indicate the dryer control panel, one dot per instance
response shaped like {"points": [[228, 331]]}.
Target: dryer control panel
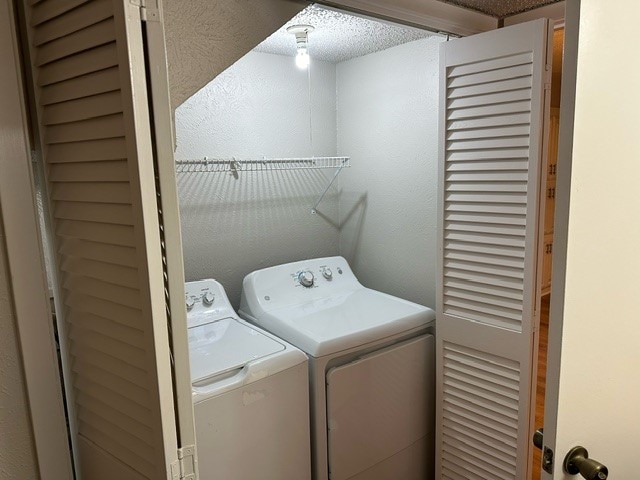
{"points": [[329, 274], [292, 283], [309, 278]]}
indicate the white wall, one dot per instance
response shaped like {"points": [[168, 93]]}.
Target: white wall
{"points": [[257, 107], [387, 108]]}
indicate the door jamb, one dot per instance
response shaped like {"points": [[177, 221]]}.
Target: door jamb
{"points": [[561, 226]]}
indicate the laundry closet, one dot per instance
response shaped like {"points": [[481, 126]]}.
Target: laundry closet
{"points": [[402, 162]]}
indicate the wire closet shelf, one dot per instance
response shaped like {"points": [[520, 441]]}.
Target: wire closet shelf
{"points": [[236, 165]]}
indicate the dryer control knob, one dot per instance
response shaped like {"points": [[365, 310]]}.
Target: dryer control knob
{"points": [[208, 299], [306, 279], [327, 273], [190, 302]]}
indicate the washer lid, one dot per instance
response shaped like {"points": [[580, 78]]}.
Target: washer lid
{"points": [[225, 345]]}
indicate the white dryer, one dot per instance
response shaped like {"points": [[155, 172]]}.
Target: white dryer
{"points": [[371, 367], [250, 394]]}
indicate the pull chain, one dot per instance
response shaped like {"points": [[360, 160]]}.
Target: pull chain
{"points": [[310, 112]]}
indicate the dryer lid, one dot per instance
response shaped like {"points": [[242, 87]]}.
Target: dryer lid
{"points": [[225, 345], [340, 322]]}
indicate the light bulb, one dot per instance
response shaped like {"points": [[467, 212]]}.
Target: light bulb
{"points": [[302, 58], [301, 33]]}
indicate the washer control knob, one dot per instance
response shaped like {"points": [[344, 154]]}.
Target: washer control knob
{"points": [[327, 273], [306, 279], [208, 298], [190, 302]]}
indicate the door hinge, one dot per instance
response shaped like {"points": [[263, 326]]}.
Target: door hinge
{"points": [[149, 11], [185, 467]]}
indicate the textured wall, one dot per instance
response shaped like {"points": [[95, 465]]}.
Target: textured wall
{"points": [[17, 453], [258, 107], [387, 109], [205, 37]]}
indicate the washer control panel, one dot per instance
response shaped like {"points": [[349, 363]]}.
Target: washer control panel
{"points": [[206, 301], [203, 296]]}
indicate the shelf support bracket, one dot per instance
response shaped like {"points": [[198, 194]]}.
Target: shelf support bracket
{"points": [[314, 210]]}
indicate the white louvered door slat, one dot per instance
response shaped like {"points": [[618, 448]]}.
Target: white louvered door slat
{"points": [[493, 109], [93, 114]]}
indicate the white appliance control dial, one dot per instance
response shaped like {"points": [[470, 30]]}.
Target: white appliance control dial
{"points": [[208, 298], [306, 279], [190, 302], [327, 273]]}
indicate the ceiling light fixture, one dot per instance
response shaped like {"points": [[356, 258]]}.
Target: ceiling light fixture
{"points": [[302, 43]]}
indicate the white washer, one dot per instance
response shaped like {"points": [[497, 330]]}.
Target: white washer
{"points": [[250, 394], [371, 367]]}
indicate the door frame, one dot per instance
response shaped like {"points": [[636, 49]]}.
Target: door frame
{"points": [[162, 128], [561, 227], [30, 293], [432, 15]]}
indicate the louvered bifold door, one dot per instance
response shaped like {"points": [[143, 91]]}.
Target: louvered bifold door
{"points": [[93, 114], [493, 104]]}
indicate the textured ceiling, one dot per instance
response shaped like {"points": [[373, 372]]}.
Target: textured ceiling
{"points": [[500, 8], [339, 36]]}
